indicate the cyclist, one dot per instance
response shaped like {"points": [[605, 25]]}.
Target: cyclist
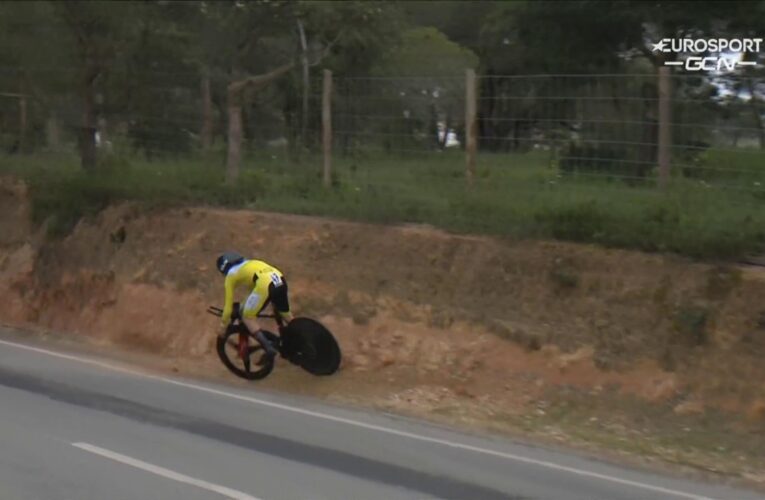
{"points": [[267, 285]]}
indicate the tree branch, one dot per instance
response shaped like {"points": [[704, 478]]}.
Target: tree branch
{"points": [[71, 19], [260, 81], [326, 50]]}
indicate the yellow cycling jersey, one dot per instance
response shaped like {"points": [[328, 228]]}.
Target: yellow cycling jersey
{"points": [[250, 273]]}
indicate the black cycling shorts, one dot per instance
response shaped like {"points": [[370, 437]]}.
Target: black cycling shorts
{"points": [[279, 297]]}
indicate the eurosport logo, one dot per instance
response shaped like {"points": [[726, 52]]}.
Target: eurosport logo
{"points": [[729, 52]]}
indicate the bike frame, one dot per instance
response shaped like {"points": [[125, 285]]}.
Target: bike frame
{"points": [[243, 345]]}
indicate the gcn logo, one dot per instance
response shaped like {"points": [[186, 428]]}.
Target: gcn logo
{"points": [[729, 52]]}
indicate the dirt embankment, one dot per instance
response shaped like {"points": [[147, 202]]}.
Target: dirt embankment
{"points": [[425, 319]]}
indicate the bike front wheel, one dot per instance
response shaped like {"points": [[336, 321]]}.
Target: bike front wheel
{"points": [[241, 353]]}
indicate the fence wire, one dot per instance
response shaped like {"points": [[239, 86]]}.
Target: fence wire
{"points": [[586, 126], [550, 128]]}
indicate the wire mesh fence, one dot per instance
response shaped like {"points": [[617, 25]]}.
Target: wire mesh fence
{"points": [[585, 126], [557, 129], [575, 157]]}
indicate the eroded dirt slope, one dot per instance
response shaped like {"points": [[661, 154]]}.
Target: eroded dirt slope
{"points": [[426, 319]]}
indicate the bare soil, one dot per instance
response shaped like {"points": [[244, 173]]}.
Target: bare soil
{"points": [[646, 355]]}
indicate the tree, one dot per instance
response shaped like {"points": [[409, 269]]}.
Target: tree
{"points": [[577, 37], [251, 44], [460, 21], [428, 81], [158, 70], [31, 76], [361, 33], [100, 33], [748, 19], [151, 92]]}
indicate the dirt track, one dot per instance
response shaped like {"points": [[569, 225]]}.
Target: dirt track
{"points": [[471, 329]]}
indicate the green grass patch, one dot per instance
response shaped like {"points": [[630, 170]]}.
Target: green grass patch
{"points": [[519, 195]]}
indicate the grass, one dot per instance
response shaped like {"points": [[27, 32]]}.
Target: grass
{"points": [[518, 195]]}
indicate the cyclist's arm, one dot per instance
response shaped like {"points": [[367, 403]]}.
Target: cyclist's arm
{"points": [[228, 305]]}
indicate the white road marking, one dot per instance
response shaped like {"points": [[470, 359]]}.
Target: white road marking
{"points": [[167, 473], [364, 425]]}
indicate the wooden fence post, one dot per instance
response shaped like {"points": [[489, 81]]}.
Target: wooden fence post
{"points": [[664, 152], [471, 125], [326, 126]]}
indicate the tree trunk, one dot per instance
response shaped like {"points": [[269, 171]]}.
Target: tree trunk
{"points": [[235, 100], [88, 131], [647, 152], [221, 121], [326, 126], [471, 125], [207, 118], [306, 86], [23, 123], [754, 102], [102, 130], [52, 132], [447, 124], [664, 145], [434, 130], [234, 135]]}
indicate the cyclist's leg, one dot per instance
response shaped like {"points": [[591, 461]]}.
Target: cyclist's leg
{"points": [[255, 303], [279, 298], [252, 307]]}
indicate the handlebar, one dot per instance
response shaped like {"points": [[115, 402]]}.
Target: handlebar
{"points": [[215, 311]]}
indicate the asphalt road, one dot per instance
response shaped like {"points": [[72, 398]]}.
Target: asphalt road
{"points": [[77, 427]]}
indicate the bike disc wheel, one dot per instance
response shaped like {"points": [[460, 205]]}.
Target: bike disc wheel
{"points": [[310, 345]]}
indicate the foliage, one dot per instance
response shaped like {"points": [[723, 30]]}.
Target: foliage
{"points": [[133, 72], [139, 65], [425, 51], [422, 79], [518, 198]]}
